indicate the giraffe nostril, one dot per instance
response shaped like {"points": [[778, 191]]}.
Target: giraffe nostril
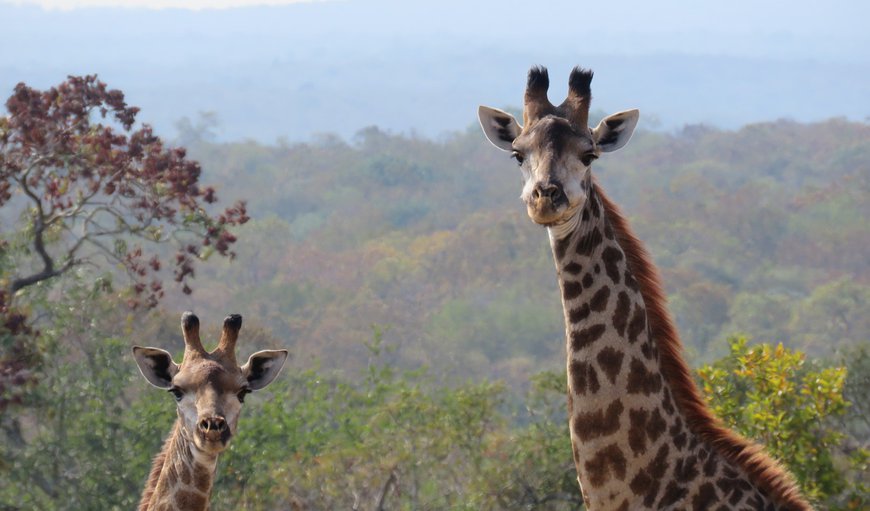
{"points": [[217, 424]]}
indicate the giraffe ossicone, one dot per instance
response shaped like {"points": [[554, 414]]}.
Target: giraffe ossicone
{"points": [[209, 388], [641, 434]]}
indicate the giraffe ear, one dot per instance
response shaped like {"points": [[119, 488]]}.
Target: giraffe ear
{"points": [[499, 127], [156, 366], [614, 131], [262, 367]]}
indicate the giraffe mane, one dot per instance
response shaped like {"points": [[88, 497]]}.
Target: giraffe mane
{"points": [[751, 457], [156, 469]]}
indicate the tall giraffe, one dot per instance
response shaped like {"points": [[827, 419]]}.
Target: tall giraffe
{"points": [[209, 389], [641, 434]]}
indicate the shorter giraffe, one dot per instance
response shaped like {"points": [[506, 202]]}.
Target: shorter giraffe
{"points": [[209, 389]]}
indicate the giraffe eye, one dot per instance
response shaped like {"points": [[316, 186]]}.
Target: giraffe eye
{"points": [[175, 391], [588, 158], [242, 393], [518, 156]]}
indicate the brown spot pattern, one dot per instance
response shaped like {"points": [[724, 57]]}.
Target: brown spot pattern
{"points": [[599, 300], [589, 242], [705, 497], [656, 425], [588, 426], [641, 380], [573, 268], [587, 280], [561, 246], [571, 290], [186, 499], [644, 425], [711, 465], [680, 440], [686, 469], [620, 315], [583, 377], [646, 482], [673, 494], [630, 281], [586, 336], [647, 350], [606, 463], [595, 207], [668, 403], [637, 430], [637, 324], [611, 257], [578, 314], [610, 361], [733, 487]]}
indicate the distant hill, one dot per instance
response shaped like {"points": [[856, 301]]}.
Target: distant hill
{"points": [[760, 230], [337, 67]]}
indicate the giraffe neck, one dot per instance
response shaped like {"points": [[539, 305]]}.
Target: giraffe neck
{"points": [[181, 478], [632, 446]]}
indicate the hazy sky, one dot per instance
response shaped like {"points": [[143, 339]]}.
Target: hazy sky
{"points": [[290, 68], [151, 4]]}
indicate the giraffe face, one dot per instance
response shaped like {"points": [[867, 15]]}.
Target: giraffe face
{"points": [[209, 397], [554, 158], [209, 388], [555, 148]]}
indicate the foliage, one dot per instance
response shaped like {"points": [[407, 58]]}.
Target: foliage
{"points": [[750, 229], [389, 437], [88, 188], [18, 354], [74, 439], [383, 439], [759, 230], [772, 395]]}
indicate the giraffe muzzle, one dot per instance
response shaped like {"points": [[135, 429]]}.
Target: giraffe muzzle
{"points": [[551, 192], [546, 202], [213, 428]]}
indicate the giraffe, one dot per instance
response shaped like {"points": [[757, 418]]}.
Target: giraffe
{"points": [[209, 389], [641, 435]]}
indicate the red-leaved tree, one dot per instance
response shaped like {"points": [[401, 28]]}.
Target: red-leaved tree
{"points": [[85, 185]]}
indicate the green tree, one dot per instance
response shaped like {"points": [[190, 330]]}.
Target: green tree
{"points": [[836, 313], [773, 395], [83, 437]]}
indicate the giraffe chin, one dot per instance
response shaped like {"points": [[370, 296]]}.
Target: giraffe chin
{"points": [[212, 444], [547, 215]]}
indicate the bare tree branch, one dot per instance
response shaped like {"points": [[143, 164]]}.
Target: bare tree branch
{"points": [[89, 183]]}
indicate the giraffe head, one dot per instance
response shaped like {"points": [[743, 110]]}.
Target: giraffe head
{"points": [[555, 146], [209, 386]]}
